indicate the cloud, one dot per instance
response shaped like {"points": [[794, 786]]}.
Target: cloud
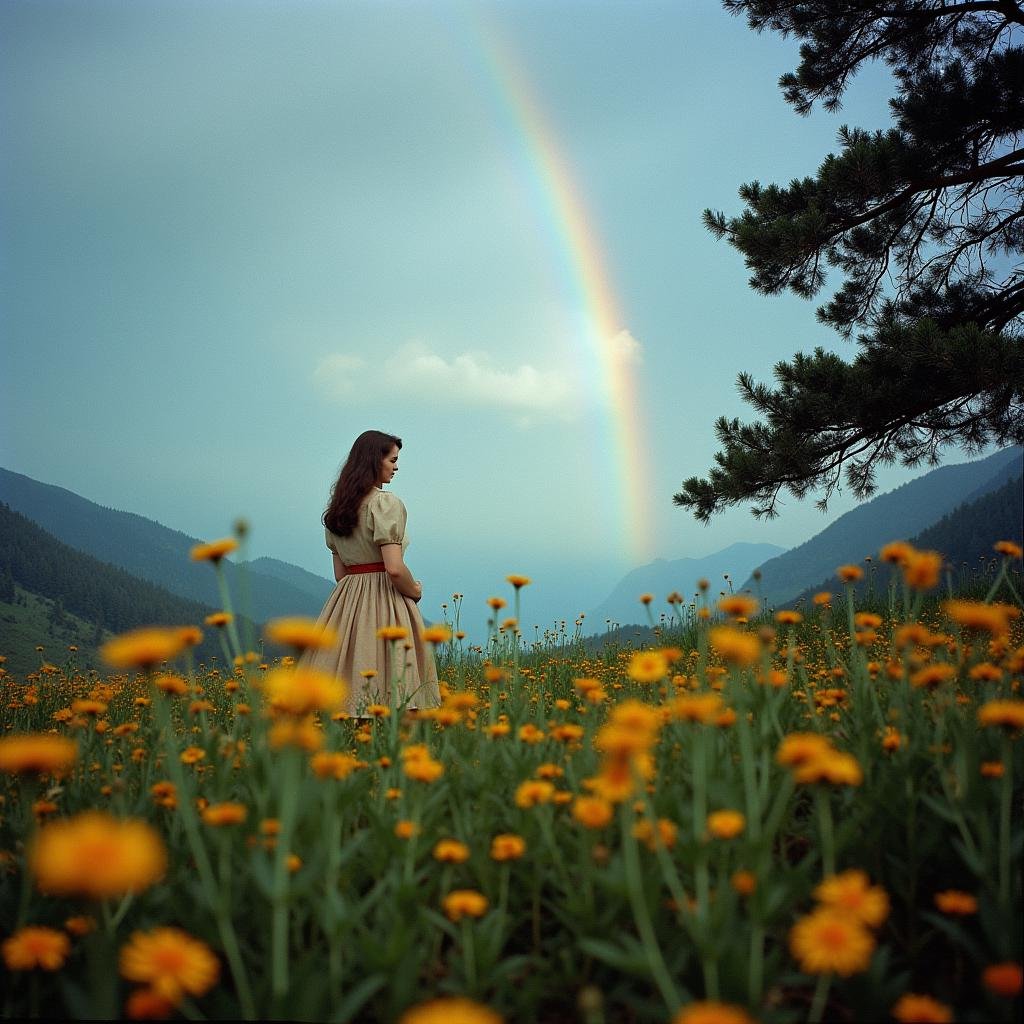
{"points": [[470, 379]]}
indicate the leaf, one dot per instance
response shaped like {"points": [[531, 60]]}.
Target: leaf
{"points": [[632, 961], [957, 934], [357, 998]]}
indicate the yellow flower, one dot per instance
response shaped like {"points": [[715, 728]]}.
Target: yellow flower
{"points": [[97, 856], [292, 731], [529, 733], [171, 684], [666, 833], [392, 633], [192, 755], [334, 765], [533, 792], [143, 648], [436, 634], [744, 882], [451, 851], [450, 1010], [1007, 713], [735, 646], [299, 691], [219, 619], [214, 551], [800, 747], [464, 903], [921, 569], [954, 901], [33, 946], [518, 581], [36, 753], [165, 794], [507, 846], [914, 1009], [834, 766], [710, 1011], [225, 814], [171, 962], [788, 618], [933, 675], [697, 707], [822, 599], [406, 829], [851, 893], [301, 633], [1004, 979], [981, 617], [647, 667], [726, 824], [827, 942], [738, 605], [423, 769], [592, 811]]}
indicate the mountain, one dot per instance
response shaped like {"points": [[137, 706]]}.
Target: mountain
{"points": [[663, 576], [896, 515], [76, 586], [965, 537], [154, 552]]}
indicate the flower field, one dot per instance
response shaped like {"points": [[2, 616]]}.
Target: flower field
{"points": [[773, 817]]}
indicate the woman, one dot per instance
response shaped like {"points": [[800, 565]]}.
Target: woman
{"points": [[365, 532]]}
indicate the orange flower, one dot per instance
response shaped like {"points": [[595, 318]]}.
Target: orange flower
{"points": [[738, 605], [850, 573], [300, 691], [898, 552], [788, 618], [406, 829], [143, 648], [744, 882], [915, 1009], [980, 616], [450, 1010], [507, 846], [392, 633], [592, 811], [301, 633], [451, 851], [36, 753], [666, 833], [710, 1011], [851, 893], [799, 747], [726, 824], [533, 792], [225, 814], [1007, 713], [334, 765], [953, 901], [219, 619], [735, 646], [921, 569], [827, 942], [171, 684], [518, 581], [834, 766], [97, 856], [145, 1004], [33, 946], [698, 707], [171, 962], [933, 675], [1008, 548], [436, 634], [1004, 979], [464, 903], [822, 599], [214, 551], [647, 667]]}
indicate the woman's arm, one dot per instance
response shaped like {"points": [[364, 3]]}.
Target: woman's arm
{"points": [[339, 567], [398, 571]]}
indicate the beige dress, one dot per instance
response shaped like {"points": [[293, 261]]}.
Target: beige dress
{"points": [[363, 602]]}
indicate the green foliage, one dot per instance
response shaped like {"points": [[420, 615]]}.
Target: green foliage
{"points": [[922, 222]]}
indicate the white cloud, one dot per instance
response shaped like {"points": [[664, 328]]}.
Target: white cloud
{"points": [[472, 379]]}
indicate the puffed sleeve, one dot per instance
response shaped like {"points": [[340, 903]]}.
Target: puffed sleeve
{"points": [[327, 537], [387, 518]]}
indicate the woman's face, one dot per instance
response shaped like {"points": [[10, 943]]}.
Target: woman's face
{"points": [[388, 466]]}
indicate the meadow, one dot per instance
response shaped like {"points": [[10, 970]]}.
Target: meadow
{"points": [[772, 816]]}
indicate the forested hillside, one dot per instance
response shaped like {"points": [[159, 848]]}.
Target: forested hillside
{"points": [[103, 595], [965, 537]]}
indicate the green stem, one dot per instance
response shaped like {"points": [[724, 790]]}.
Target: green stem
{"points": [[469, 955], [828, 850], [820, 996], [1005, 810], [279, 919], [641, 914]]}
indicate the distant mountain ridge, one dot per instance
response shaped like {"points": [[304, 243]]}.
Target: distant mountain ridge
{"points": [[896, 515], [159, 554], [664, 576], [965, 535]]}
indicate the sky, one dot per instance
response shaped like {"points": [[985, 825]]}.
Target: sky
{"points": [[237, 233]]}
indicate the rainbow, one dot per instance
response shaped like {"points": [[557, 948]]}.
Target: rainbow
{"points": [[604, 345]]}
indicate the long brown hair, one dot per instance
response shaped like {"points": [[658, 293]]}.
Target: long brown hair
{"points": [[357, 478]]}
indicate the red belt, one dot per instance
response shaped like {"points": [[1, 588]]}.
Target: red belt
{"points": [[366, 567]]}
